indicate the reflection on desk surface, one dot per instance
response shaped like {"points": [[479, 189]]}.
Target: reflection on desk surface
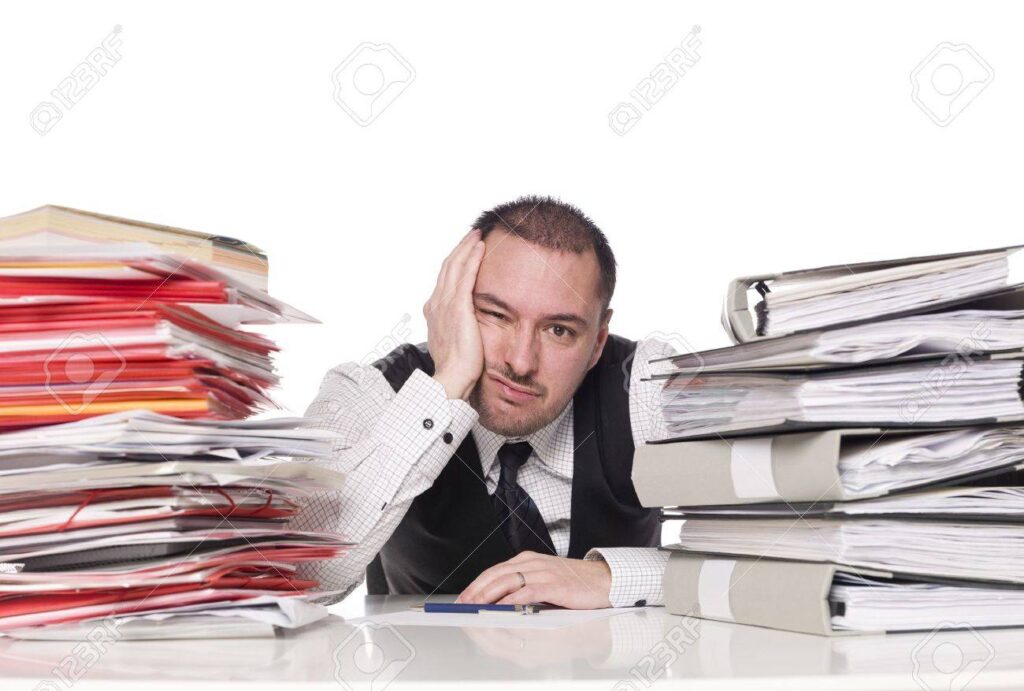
{"points": [[633, 647]]}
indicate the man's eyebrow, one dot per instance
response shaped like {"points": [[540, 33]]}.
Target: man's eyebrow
{"points": [[566, 317], [560, 317], [497, 302]]}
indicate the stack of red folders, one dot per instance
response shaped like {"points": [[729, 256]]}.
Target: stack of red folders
{"points": [[135, 493]]}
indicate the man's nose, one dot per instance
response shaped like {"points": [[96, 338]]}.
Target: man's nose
{"points": [[521, 352]]}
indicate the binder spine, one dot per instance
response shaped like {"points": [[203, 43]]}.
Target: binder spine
{"points": [[798, 467], [736, 317], [792, 596]]}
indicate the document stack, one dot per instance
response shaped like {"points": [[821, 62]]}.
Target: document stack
{"points": [[853, 463], [134, 494]]}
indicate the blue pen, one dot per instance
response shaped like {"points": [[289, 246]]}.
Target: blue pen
{"points": [[469, 608]]}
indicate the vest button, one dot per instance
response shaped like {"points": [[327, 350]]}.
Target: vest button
{"points": [[428, 423], [447, 437]]}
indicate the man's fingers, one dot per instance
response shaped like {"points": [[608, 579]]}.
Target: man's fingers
{"points": [[475, 589], [509, 584], [471, 268], [530, 594], [442, 276], [499, 588], [456, 270], [525, 562]]}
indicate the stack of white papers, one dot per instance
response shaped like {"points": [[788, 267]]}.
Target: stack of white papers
{"points": [[916, 394], [904, 338], [818, 299], [147, 517], [877, 604], [873, 466], [965, 503], [969, 551]]}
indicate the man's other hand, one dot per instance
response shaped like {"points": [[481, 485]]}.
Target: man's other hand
{"points": [[453, 334], [573, 583]]}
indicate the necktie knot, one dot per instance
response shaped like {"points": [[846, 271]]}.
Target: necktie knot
{"points": [[512, 457]]}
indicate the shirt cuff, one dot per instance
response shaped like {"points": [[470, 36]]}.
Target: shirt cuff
{"points": [[637, 574], [423, 427]]}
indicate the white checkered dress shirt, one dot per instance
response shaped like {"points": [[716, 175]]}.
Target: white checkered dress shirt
{"points": [[394, 445]]}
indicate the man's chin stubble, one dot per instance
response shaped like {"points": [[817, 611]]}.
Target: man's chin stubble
{"points": [[507, 428]]}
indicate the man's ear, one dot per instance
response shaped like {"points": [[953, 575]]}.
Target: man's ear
{"points": [[602, 338]]}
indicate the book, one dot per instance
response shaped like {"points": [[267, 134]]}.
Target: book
{"points": [[961, 390], [837, 464], [769, 305], [970, 503], [62, 229], [901, 339], [928, 546], [829, 600]]}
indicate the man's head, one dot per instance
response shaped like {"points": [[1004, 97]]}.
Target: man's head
{"points": [[541, 299]]}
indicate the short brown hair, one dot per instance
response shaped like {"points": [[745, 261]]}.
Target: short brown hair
{"points": [[556, 225]]}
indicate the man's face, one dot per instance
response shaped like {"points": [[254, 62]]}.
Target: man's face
{"points": [[543, 327]]}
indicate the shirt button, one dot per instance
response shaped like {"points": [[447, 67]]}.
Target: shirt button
{"points": [[447, 437], [428, 423], [640, 603]]}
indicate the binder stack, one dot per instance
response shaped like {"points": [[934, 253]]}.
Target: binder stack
{"points": [[854, 462], [135, 498]]}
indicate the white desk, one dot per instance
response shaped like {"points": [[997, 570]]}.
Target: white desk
{"points": [[606, 654]]}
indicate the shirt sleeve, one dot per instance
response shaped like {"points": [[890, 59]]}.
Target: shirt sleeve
{"points": [[637, 574], [392, 447], [645, 416]]}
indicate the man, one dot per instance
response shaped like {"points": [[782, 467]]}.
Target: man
{"points": [[495, 462]]}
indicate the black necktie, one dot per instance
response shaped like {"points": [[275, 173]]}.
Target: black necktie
{"points": [[519, 516]]}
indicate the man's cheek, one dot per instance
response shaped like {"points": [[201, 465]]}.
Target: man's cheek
{"points": [[490, 339]]}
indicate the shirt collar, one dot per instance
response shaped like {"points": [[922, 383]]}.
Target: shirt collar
{"points": [[544, 443]]}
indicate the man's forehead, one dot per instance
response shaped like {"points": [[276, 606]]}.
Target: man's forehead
{"points": [[536, 281]]}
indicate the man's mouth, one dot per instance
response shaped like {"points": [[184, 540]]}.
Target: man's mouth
{"points": [[513, 392]]}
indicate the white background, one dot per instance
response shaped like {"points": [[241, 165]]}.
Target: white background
{"points": [[792, 142]]}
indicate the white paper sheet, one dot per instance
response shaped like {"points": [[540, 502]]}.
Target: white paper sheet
{"points": [[545, 619]]}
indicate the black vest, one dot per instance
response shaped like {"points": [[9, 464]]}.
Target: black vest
{"points": [[450, 533]]}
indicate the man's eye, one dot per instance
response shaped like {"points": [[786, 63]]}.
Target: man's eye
{"points": [[496, 315], [560, 331]]}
